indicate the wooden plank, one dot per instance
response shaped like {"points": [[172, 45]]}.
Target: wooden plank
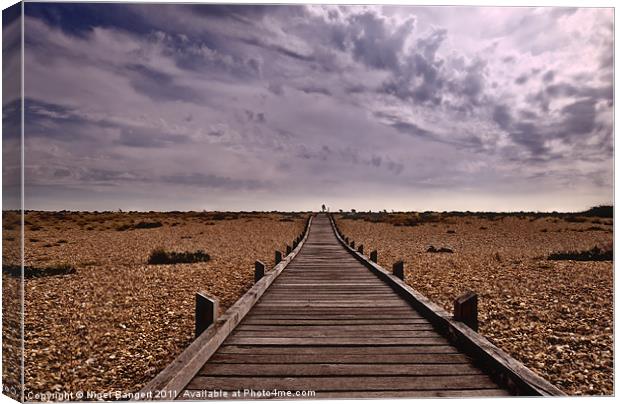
{"points": [[328, 316], [330, 333], [274, 357], [323, 321], [379, 394], [235, 340], [290, 304], [412, 394], [331, 369], [344, 383], [335, 327], [337, 350]]}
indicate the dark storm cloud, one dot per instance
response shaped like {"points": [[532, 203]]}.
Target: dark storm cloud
{"points": [[423, 67], [373, 42]]}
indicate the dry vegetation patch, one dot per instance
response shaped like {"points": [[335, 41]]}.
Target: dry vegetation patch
{"points": [[116, 321], [555, 316]]}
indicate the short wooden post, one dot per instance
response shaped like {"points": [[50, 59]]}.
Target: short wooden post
{"points": [[288, 249], [360, 249], [259, 271], [278, 257], [206, 312], [352, 244], [346, 240], [398, 269], [466, 309], [373, 256]]}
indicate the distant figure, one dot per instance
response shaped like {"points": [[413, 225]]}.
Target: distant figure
{"points": [[323, 208]]}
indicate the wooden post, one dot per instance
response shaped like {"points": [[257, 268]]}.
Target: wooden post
{"points": [[288, 249], [206, 312], [360, 249], [373, 256], [352, 244], [259, 271], [466, 309], [346, 240], [398, 269], [278, 257]]}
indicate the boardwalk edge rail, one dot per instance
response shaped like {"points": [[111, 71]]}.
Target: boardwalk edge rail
{"points": [[501, 366], [169, 383]]}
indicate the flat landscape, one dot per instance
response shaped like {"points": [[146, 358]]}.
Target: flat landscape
{"points": [[556, 316], [98, 316]]}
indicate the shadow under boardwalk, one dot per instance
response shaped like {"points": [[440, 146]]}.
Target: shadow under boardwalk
{"points": [[329, 325]]}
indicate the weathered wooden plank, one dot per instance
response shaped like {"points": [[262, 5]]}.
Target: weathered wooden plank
{"points": [[336, 327], [379, 351], [327, 316], [300, 305], [235, 340], [331, 369], [411, 394], [377, 394], [344, 383], [326, 332], [322, 321], [276, 357]]}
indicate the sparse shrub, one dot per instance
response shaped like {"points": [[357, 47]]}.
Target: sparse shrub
{"points": [[432, 249], [544, 230], [35, 227], [61, 241], [575, 219], [147, 225], [483, 228], [594, 254], [159, 256], [34, 272], [451, 232], [139, 225], [34, 240]]}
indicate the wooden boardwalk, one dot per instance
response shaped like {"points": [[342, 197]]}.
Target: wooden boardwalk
{"points": [[330, 325]]}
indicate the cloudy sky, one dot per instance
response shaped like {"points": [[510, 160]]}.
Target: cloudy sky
{"points": [[176, 107]]}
